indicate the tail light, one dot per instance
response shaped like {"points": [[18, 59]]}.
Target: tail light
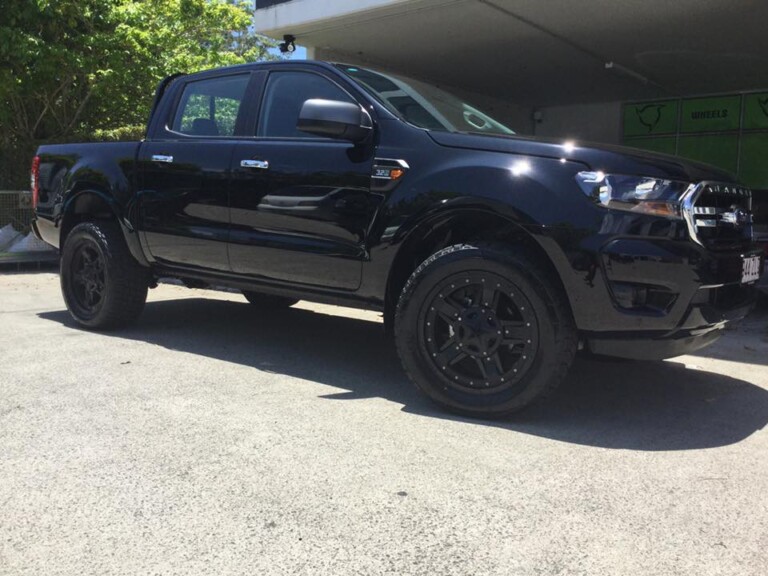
{"points": [[34, 181]]}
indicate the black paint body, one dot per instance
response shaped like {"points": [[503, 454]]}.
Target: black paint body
{"points": [[316, 225]]}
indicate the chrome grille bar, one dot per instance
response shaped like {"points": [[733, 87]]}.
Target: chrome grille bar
{"points": [[723, 209]]}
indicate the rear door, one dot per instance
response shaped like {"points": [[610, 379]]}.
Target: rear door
{"points": [[300, 204], [184, 194]]}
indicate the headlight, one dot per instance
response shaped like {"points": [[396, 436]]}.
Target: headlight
{"points": [[635, 193]]}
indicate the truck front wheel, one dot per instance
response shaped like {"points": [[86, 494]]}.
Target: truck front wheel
{"points": [[103, 285], [484, 331]]}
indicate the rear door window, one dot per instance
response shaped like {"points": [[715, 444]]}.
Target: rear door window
{"points": [[211, 107]]}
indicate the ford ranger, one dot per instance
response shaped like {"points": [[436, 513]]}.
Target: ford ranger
{"points": [[492, 256]]}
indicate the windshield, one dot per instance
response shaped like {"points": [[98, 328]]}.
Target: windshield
{"points": [[422, 104]]}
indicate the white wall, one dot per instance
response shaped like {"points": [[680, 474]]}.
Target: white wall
{"points": [[274, 20], [585, 122]]}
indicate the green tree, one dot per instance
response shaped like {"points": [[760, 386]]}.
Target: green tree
{"points": [[71, 68]]}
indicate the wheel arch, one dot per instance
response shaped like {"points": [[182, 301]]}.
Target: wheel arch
{"points": [[86, 202], [457, 225]]}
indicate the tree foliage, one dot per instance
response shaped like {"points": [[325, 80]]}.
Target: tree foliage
{"points": [[71, 67]]}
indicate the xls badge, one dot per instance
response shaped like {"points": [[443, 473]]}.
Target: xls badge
{"points": [[389, 169]]}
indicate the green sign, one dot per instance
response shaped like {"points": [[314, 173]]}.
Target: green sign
{"points": [[756, 111], [648, 118], [710, 114], [753, 161], [730, 132], [665, 144], [720, 150]]}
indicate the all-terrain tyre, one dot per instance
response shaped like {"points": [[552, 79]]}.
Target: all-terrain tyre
{"points": [[484, 330], [104, 287], [268, 301]]}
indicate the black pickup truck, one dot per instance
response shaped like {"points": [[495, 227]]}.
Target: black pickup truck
{"points": [[493, 257]]}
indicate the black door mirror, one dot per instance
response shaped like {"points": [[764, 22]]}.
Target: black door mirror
{"points": [[333, 119]]}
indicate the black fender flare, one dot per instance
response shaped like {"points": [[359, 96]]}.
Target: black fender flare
{"points": [[82, 193]]}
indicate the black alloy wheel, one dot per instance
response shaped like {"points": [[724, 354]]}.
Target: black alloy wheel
{"points": [[87, 279], [103, 286], [480, 331], [484, 330]]}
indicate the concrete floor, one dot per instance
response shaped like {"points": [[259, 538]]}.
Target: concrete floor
{"points": [[211, 439]]}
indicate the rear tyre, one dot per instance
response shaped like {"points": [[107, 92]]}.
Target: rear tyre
{"points": [[268, 301], [102, 284], [483, 331]]}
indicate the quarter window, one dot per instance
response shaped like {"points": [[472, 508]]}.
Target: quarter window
{"points": [[211, 107], [284, 96]]}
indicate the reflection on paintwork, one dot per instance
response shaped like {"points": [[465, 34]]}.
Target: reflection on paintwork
{"points": [[305, 219], [185, 204]]}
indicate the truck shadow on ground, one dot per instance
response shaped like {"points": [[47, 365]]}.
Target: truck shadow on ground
{"points": [[620, 405], [748, 343]]}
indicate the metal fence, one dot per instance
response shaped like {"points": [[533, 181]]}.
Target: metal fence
{"points": [[16, 209]]}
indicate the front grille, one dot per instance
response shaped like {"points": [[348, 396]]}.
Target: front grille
{"points": [[719, 215]]}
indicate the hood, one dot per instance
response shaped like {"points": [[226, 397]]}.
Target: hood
{"points": [[607, 158]]}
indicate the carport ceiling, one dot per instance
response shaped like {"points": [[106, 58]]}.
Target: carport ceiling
{"points": [[549, 52]]}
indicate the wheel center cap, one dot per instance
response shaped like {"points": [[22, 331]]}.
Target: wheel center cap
{"points": [[478, 331]]}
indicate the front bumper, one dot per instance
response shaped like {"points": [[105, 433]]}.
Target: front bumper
{"points": [[702, 326], [672, 297], [640, 348]]}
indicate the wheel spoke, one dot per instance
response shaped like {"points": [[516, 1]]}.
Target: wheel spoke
{"points": [[495, 369], [514, 331], [450, 343], [488, 296], [481, 364], [450, 356], [447, 309], [491, 367]]}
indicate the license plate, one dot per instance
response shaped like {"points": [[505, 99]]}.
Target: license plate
{"points": [[750, 271]]}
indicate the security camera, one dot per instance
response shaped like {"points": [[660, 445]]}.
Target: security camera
{"points": [[287, 45]]}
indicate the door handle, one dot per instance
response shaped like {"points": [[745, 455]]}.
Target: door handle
{"points": [[261, 164], [161, 158]]}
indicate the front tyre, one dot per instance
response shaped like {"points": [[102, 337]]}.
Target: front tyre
{"points": [[102, 284], [484, 331]]}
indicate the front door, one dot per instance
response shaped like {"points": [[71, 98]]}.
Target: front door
{"points": [[184, 196], [300, 204]]}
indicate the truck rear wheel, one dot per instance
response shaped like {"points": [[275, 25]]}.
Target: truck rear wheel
{"points": [[103, 285], [483, 331]]}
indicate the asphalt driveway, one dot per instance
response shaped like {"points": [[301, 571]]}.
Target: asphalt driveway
{"points": [[214, 439]]}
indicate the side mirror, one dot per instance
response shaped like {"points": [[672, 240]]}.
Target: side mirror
{"points": [[332, 119]]}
